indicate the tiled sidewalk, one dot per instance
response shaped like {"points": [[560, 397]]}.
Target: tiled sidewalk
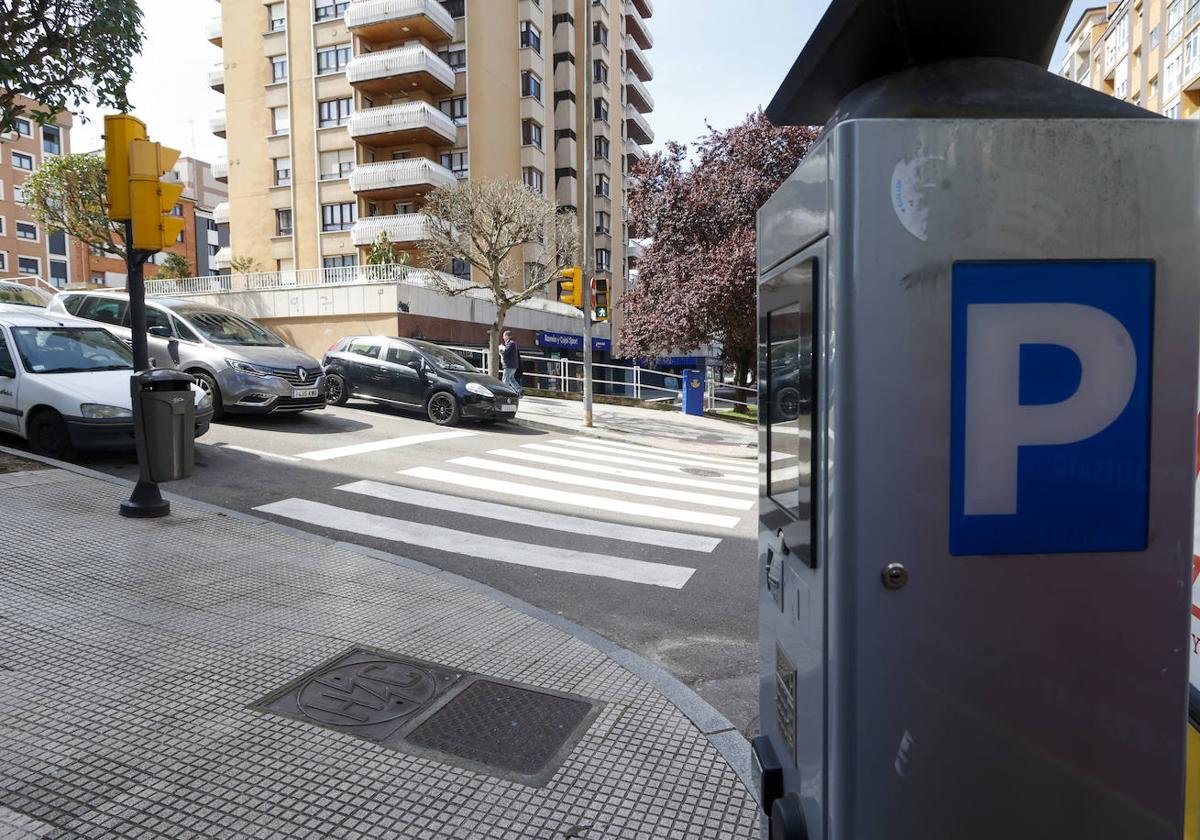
{"points": [[135, 653]]}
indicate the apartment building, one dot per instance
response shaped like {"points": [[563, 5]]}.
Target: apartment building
{"points": [[25, 247], [340, 115], [204, 194], [1143, 51]]}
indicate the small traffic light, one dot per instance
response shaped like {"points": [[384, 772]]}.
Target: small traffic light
{"points": [[570, 288], [120, 130], [152, 200], [600, 302]]}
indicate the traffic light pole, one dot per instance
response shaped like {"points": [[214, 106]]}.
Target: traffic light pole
{"points": [[146, 501], [589, 221]]}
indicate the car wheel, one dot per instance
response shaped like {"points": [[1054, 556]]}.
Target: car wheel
{"points": [[443, 409], [336, 390], [48, 436], [787, 404], [209, 386]]}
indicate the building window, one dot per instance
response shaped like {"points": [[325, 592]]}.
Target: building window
{"points": [[279, 69], [600, 72], [534, 179], [1172, 111], [283, 222], [283, 172], [460, 269], [602, 185], [18, 195], [336, 164], [51, 140], [534, 271], [22, 161], [98, 278], [280, 120], [24, 127], [2, 225], [343, 261], [1191, 54], [334, 112], [330, 9], [531, 84], [337, 216], [27, 231], [531, 37], [29, 265], [333, 59], [276, 17], [455, 55], [603, 259], [600, 34], [58, 243], [602, 148], [1173, 74], [456, 162], [600, 109], [603, 222], [58, 273], [1155, 37], [455, 109], [531, 134]]}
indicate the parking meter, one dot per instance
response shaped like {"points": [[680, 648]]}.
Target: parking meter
{"points": [[975, 528]]}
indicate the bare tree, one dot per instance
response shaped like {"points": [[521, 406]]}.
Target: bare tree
{"points": [[488, 224]]}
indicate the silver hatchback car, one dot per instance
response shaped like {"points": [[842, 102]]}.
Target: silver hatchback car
{"points": [[246, 368]]}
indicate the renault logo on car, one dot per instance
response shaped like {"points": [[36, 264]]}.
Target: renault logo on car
{"points": [[302, 373]]}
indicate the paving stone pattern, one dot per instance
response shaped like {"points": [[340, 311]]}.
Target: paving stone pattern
{"points": [[133, 651]]}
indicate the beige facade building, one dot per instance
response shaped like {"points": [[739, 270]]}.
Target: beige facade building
{"points": [[1142, 51], [340, 115]]}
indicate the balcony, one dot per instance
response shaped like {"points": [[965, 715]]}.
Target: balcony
{"points": [[212, 31], [383, 21], [636, 127], [221, 213], [645, 8], [399, 179], [636, 60], [220, 170], [409, 227], [217, 124], [222, 259], [634, 152], [636, 27], [216, 78], [400, 70], [637, 95], [407, 122]]}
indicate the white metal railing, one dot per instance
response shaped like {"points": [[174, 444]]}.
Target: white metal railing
{"points": [[217, 123], [220, 169], [720, 396], [261, 281], [634, 150], [222, 259], [634, 120], [634, 52], [368, 12], [397, 174], [216, 77], [32, 280], [645, 8], [637, 25], [407, 227], [414, 58], [212, 30], [639, 91], [221, 213], [405, 116]]}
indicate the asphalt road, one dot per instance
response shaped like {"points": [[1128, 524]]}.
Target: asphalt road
{"points": [[652, 549]]}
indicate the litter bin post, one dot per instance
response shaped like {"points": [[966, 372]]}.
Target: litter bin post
{"points": [[693, 392], [164, 417]]}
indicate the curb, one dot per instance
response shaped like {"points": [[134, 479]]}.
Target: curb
{"points": [[743, 453], [714, 726]]}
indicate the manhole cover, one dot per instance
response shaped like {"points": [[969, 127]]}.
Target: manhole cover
{"points": [[519, 733], [364, 692], [703, 473]]}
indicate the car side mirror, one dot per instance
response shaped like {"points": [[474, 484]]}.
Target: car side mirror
{"points": [[160, 332]]}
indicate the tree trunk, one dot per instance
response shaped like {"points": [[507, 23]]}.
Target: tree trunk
{"points": [[742, 362]]}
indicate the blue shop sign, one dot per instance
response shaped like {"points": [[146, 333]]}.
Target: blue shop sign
{"points": [[566, 341]]}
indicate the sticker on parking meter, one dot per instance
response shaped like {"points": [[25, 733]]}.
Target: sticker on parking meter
{"points": [[1050, 418]]}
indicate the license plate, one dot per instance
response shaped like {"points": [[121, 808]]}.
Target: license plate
{"points": [[509, 407], [304, 393]]}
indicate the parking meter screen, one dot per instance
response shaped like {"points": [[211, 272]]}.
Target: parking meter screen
{"points": [[789, 404]]}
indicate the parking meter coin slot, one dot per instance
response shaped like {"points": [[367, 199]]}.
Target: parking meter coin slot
{"points": [[775, 576], [164, 414], [785, 701]]}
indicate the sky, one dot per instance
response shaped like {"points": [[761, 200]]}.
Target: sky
{"points": [[710, 66]]}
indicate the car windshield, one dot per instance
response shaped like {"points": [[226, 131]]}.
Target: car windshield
{"points": [[70, 350], [446, 360], [227, 328], [22, 296]]}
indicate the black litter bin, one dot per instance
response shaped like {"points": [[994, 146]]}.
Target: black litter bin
{"points": [[164, 412]]}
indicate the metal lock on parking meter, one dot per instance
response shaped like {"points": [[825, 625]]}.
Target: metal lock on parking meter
{"points": [[164, 409], [978, 323]]}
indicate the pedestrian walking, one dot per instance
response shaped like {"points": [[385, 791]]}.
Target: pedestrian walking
{"points": [[510, 360]]}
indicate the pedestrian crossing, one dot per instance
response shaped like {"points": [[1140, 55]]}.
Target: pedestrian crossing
{"points": [[545, 505]]}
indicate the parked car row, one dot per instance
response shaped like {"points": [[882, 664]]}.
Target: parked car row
{"points": [[65, 363]]}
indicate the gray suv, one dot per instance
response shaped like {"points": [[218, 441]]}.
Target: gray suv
{"points": [[246, 368]]}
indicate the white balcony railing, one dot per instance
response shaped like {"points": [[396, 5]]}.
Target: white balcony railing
{"points": [[637, 27], [636, 93], [400, 174], [645, 8], [217, 124], [634, 150], [222, 259], [636, 60], [263, 281], [220, 169], [212, 30], [406, 116], [414, 58], [221, 213], [216, 77], [636, 127], [363, 13], [408, 227]]}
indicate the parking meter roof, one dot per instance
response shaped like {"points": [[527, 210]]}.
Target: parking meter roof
{"points": [[858, 41]]}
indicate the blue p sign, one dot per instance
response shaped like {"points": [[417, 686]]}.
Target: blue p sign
{"points": [[1051, 407]]}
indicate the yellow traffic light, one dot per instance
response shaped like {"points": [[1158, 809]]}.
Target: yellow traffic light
{"points": [[600, 299], [570, 288], [152, 200], [120, 130]]}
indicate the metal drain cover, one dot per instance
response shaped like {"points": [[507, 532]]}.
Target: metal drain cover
{"points": [[364, 692], [703, 473], [521, 733]]}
